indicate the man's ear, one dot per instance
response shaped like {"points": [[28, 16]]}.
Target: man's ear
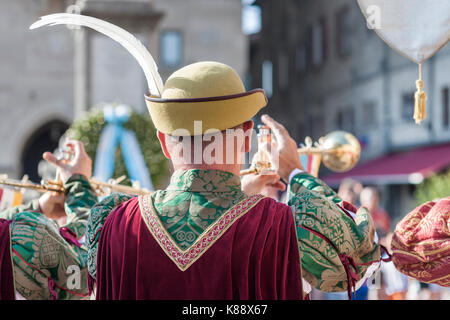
{"points": [[162, 141], [248, 130]]}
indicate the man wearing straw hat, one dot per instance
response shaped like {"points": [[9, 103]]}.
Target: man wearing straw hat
{"points": [[203, 237]]}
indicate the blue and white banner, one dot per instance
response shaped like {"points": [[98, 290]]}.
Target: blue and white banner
{"points": [[113, 134]]}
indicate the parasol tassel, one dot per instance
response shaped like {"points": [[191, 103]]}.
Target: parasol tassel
{"points": [[420, 104]]}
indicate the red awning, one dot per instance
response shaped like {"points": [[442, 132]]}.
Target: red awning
{"points": [[409, 167]]}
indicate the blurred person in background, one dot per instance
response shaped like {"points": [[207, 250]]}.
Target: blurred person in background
{"points": [[44, 239], [350, 190], [394, 284], [370, 199], [50, 204]]}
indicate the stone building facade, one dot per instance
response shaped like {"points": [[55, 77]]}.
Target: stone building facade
{"points": [[52, 75]]}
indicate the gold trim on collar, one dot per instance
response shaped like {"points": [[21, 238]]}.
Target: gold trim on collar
{"points": [[185, 258]]}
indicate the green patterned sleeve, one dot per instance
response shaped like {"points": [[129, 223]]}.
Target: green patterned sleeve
{"points": [[42, 254], [315, 185], [97, 217], [10, 213], [80, 198], [318, 216]]}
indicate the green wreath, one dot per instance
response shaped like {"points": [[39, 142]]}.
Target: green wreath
{"points": [[88, 129]]}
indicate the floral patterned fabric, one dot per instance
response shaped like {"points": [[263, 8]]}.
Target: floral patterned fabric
{"points": [[195, 199], [329, 237], [421, 243], [41, 255], [97, 217]]}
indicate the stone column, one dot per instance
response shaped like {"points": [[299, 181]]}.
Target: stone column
{"points": [[133, 15], [80, 73]]}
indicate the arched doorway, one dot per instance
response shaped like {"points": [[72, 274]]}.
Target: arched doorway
{"points": [[46, 138]]}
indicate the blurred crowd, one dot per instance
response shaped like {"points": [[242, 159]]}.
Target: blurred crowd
{"points": [[388, 283]]}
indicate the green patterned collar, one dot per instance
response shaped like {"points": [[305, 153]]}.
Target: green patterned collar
{"points": [[196, 180]]}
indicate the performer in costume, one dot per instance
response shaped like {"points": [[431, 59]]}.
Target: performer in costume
{"points": [[203, 237], [41, 240], [421, 243]]}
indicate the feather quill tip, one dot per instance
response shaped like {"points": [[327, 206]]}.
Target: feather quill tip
{"points": [[36, 25]]}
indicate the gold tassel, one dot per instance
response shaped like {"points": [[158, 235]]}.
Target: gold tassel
{"points": [[420, 104]]}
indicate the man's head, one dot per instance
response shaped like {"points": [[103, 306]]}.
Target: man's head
{"points": [[349, 190], [52, 206], [370, 198], [224, 150], [203, 116]]}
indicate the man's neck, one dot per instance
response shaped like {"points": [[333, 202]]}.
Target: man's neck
{"points": [[232, 168]]}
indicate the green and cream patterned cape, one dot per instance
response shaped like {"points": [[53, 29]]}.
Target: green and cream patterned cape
{"points": [[43, 260], [196, 198]]}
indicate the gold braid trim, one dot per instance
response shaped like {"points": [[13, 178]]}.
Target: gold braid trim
{"points": [[185, 258]]}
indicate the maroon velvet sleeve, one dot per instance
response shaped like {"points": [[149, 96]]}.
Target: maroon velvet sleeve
{"points": [[6, 270], [256, 258]]}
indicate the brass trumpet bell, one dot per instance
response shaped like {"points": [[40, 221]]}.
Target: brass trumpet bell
{"points": [[341, 151]]}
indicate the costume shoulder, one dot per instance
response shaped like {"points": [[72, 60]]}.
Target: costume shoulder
{"points": [[270, 230], [334, 243], [270, 215], [8, 214], [97, 217], [41, 255], [421, 243]]}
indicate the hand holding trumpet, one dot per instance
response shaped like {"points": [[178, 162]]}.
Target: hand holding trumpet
{"points": [[339, 151], [282, 153], [80, 163]]}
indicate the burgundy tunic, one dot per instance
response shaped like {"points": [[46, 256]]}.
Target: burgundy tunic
{"points": [[6, 270], [257, 257]]}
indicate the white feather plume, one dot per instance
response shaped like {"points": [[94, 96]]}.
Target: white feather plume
{"points": [[126, 39]]}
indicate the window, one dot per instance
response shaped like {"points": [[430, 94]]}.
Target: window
{"points": [[408, 106], [318, 126], [318, 43], [445, 108], [251, 18], [283, 71], [344, 31], [302, 129], [171, 49], [345, 119], [301, 59], [267, 77], [369, 115], [340, 119]]}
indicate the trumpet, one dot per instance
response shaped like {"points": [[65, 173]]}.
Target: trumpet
{"points": [[25, 184], [100, 188], [339, 152]]}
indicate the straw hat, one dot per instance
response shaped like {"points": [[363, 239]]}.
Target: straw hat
{"points": [[210, 92]]}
